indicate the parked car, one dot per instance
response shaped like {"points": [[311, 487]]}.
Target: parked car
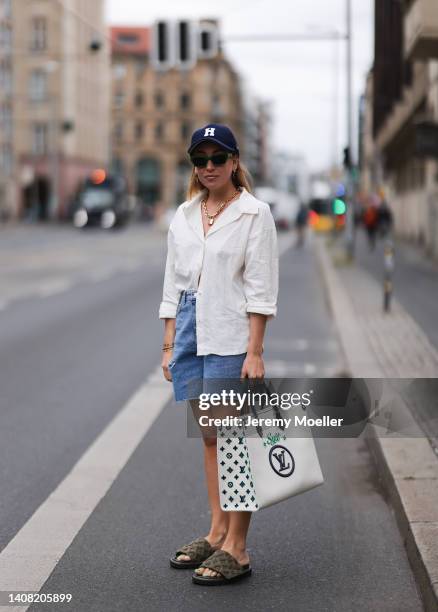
{"points": [[102, 200]]}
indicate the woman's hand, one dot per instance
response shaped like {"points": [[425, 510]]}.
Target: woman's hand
{"points": [[253, 366], [166, 359]]}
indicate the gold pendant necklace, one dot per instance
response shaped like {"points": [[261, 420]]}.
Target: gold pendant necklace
{"points": [[211, 218]]}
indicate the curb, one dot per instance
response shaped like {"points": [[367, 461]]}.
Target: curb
{"points": [[408, 467]]}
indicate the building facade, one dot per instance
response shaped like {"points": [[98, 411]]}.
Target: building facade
{"points": [[154, 113], [6, 112], [57, 101], [401, 111]]}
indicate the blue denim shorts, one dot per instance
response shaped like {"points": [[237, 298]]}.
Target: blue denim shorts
{"points": [[189, 370]]}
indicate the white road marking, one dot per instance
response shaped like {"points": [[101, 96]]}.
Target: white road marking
{"points": [[293, 344], [52, 287], [301, 344], [278, 367], [100, 275], [30, 557]]}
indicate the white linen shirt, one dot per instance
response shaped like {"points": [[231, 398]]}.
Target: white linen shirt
{"points": [[237, 262]]}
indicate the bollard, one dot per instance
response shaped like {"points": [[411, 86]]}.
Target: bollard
{"points": [[388, 263]]}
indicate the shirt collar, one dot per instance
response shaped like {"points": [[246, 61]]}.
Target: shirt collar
{"points": [[246, 203]]}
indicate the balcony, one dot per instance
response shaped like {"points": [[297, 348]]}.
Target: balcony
{"points": [[421, 29]]}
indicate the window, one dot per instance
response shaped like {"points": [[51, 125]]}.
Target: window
{"points": [[5, 78], [6, 120], [140, 65], [40, 138], [126, 38], [185, 130], [139, 130], [139, 99], [38, 38], [118, 132], [119, 97], [119, 71], [8, 7], [117, 166], [159, 99], [185, 100], [159, 131], [38, 85], [6, 159], [5, 37]]}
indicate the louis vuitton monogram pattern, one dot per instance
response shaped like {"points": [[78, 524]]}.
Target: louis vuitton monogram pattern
{"points": [[236, 487]]}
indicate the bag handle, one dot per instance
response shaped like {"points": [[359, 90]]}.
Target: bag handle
{"points": [[276, 409]]}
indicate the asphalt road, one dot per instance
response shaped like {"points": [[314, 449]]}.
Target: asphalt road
{"points": [[69, 363]]}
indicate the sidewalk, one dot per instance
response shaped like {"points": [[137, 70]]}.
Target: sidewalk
{"points": [[391, 346], [415, 279]]}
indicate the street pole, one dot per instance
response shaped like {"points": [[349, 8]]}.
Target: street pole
{"points": [[349, 77], [349, 230], [335, 126]]}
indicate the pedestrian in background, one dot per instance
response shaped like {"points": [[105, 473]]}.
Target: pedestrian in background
{"points": [[385, 217], [301, 224], [220, 288], [371, 221]]}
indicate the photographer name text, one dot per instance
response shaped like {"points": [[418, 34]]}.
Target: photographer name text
{"points": [[299, 421]]}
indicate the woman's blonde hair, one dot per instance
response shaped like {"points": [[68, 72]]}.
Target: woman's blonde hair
{"points": [[241, 178]]}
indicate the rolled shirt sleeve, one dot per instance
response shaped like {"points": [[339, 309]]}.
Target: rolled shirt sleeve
{"points": [[260, 276], [168, 306]]}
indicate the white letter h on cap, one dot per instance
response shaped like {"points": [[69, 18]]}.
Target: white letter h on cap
{"points": [[209, 131]]}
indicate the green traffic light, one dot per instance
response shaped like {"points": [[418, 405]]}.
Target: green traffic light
{"points": [[339, 207]]}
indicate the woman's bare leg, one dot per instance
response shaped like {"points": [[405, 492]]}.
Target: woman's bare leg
{"points": [[235, 541], [236, 524], [219, 518]]}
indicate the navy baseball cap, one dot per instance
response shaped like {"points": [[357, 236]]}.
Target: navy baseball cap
{"points": [[214, 132]]}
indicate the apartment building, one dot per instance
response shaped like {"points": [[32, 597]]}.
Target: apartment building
{"points": [[154, 113], [6, 123], [56, 102], [401, 128]]}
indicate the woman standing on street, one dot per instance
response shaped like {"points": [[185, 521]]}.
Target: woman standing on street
{"points": [[220, 287]]}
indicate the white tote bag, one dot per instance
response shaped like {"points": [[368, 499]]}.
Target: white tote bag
{"points": [[257, 469]]}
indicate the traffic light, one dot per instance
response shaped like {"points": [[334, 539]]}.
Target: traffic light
{"points": [[185, 45], [163, 49], [347, 158], [208, 39], [181, 43], [339, 206]]}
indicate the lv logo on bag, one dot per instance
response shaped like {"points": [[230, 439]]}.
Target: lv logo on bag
{"points": [[285, 464]]}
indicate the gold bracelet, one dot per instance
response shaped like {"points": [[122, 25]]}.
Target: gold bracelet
{"points": [[167, 348]]}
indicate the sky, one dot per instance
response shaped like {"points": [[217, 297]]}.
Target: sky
{"points": [[305, 81]]}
